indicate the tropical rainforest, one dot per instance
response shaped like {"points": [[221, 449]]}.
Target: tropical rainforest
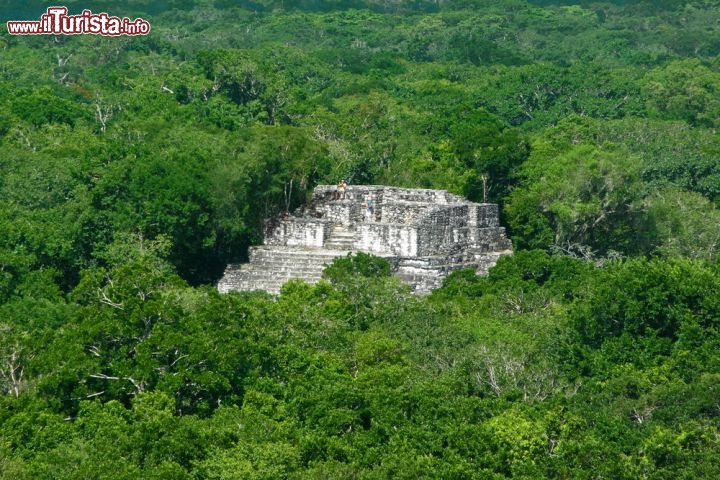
{"points": [[134, 168]]}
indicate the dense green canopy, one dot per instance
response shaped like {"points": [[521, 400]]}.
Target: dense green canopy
{"points": [[133, 169]]}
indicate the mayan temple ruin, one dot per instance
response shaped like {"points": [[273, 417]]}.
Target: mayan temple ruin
{"points": [[424, 234]]}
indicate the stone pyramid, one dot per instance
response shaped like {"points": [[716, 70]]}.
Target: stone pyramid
{"points": [[424, 234]]}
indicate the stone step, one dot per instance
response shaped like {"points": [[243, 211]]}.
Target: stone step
{"points": [[269, 269], [340, 245], [285, 271], [268, 273], [293, 253], [272, 259], [292, 262], [288, 267], [274, 279], [340, 238], [251, 280], [252, 284], [269, 284]]}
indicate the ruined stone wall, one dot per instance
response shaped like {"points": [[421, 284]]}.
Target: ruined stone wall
{"points": [[483, 215], [404, 212], [344, 213], [298, 232], [419, 195], [490, 239], [387, 239], [382, 195], [405, 222], [443, 230]]}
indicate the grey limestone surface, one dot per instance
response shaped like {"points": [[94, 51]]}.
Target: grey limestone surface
{"points": [[426, 234]]}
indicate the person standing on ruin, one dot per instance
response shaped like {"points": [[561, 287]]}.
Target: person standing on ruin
{"points": [[341, 187]]}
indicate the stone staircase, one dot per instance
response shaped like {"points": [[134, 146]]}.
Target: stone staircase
{"points": [[270, 268], [341, 238]]}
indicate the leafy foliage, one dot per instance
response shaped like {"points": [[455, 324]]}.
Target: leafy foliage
{"points": [[134, 168]]}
